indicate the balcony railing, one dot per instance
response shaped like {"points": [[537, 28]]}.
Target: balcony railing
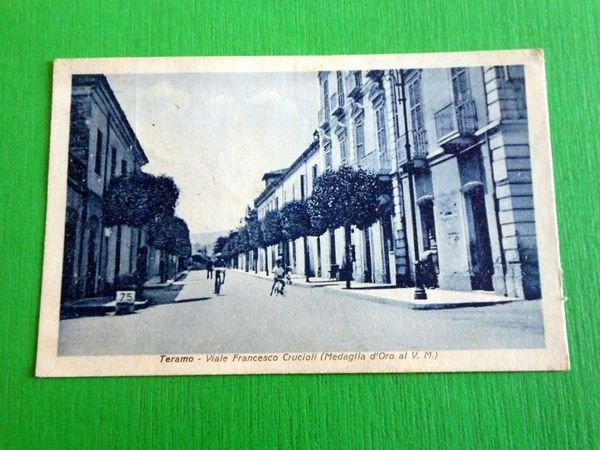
{"points": [[337, 104], [455, 121], [323, 117], [353, 83], [385, 163], [419, 149]]}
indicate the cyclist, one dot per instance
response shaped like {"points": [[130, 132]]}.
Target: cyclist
{"points": [[278, 278], [219, 273]]}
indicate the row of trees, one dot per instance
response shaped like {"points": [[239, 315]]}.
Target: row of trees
{"points": [[145, 200], [343, 198]]}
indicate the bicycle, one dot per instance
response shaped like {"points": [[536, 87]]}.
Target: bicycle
{"points": [[219, 279], [278, 287]]}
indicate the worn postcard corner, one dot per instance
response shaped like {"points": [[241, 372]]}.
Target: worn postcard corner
{"points": [[373, 213]]}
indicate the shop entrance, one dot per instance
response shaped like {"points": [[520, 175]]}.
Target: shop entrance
{"points": [[482, 267]]}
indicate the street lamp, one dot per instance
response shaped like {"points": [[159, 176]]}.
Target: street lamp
{"points": [[420, 293]]}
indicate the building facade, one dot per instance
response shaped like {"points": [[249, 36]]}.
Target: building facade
{"points": [[102, 145], [465, 132], [354, 131], [468, 136], [454, 144], [294, 183]]}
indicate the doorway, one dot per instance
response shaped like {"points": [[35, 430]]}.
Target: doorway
{"points": [[482, 267]]}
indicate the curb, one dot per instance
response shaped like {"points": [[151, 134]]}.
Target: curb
{"points": [[420, 305]]}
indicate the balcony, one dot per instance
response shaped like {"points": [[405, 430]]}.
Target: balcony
{"points": [[419, 148], [375, 75], [401, 149], [324, 118], [418, 152], [455, 125], [385, 163], [337, 105], [353, 83]]}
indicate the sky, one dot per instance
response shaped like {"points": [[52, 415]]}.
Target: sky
{"points": [[217, 134]]}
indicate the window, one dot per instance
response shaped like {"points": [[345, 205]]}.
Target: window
{"points": [[340, 88], [460, 85], [302, 188], [343, 149], [123, 168], [358, 78], [359, 136], [416, 108], [416, 117], [315, 173], [98, 162], [327, 150], [326, 97], [381, 140], [113, 161], [395, 115]]}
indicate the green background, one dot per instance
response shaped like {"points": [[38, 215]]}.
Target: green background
{"points": [[478, 410]]}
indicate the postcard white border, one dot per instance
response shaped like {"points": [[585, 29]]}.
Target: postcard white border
{"points": [[553, 357]]}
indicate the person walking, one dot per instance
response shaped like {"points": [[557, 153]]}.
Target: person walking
{"points": [[209, 268]]}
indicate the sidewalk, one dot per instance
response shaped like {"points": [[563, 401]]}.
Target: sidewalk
{"points": [[95, 306], [389, 294], [155, 283]]}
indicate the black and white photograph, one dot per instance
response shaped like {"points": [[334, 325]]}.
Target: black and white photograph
{"points": [[380, 213]]}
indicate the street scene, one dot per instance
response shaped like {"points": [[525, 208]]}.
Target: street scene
{"points": [[348, 210], [244, 318]]}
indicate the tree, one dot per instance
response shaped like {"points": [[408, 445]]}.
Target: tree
{"points": [[295, 220], [219, 244], [345, 198], [170, 234], [181, 238], [295, 224], [255, 235], [271, 230], [230, 249], [137, 199], [243, 244]]}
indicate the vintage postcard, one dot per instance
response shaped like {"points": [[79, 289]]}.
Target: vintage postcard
{"points": [[237, 215]]}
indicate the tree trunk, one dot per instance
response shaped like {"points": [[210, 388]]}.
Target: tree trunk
{"points": [[267, 260], [348, 262], [306, 259]]}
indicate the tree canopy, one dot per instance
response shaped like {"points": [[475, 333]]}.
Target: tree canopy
{"points": [[243, 240], [220, 244], [345, 197], [170, 234], [137, 199], [271, 228], [255, 230], [295, 220]]}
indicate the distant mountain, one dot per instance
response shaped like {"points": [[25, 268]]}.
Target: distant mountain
{"points": [[200, 240]]}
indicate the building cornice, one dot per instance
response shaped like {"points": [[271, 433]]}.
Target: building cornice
{"points": [[99, 84]]}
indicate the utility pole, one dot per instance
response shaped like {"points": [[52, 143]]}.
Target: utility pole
{"points": [[420, 293]]}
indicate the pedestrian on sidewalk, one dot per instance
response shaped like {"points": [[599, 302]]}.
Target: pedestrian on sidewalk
{"points": [[209, 269]]}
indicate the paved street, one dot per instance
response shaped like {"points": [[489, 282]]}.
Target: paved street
{"points": [[191, 319]]}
